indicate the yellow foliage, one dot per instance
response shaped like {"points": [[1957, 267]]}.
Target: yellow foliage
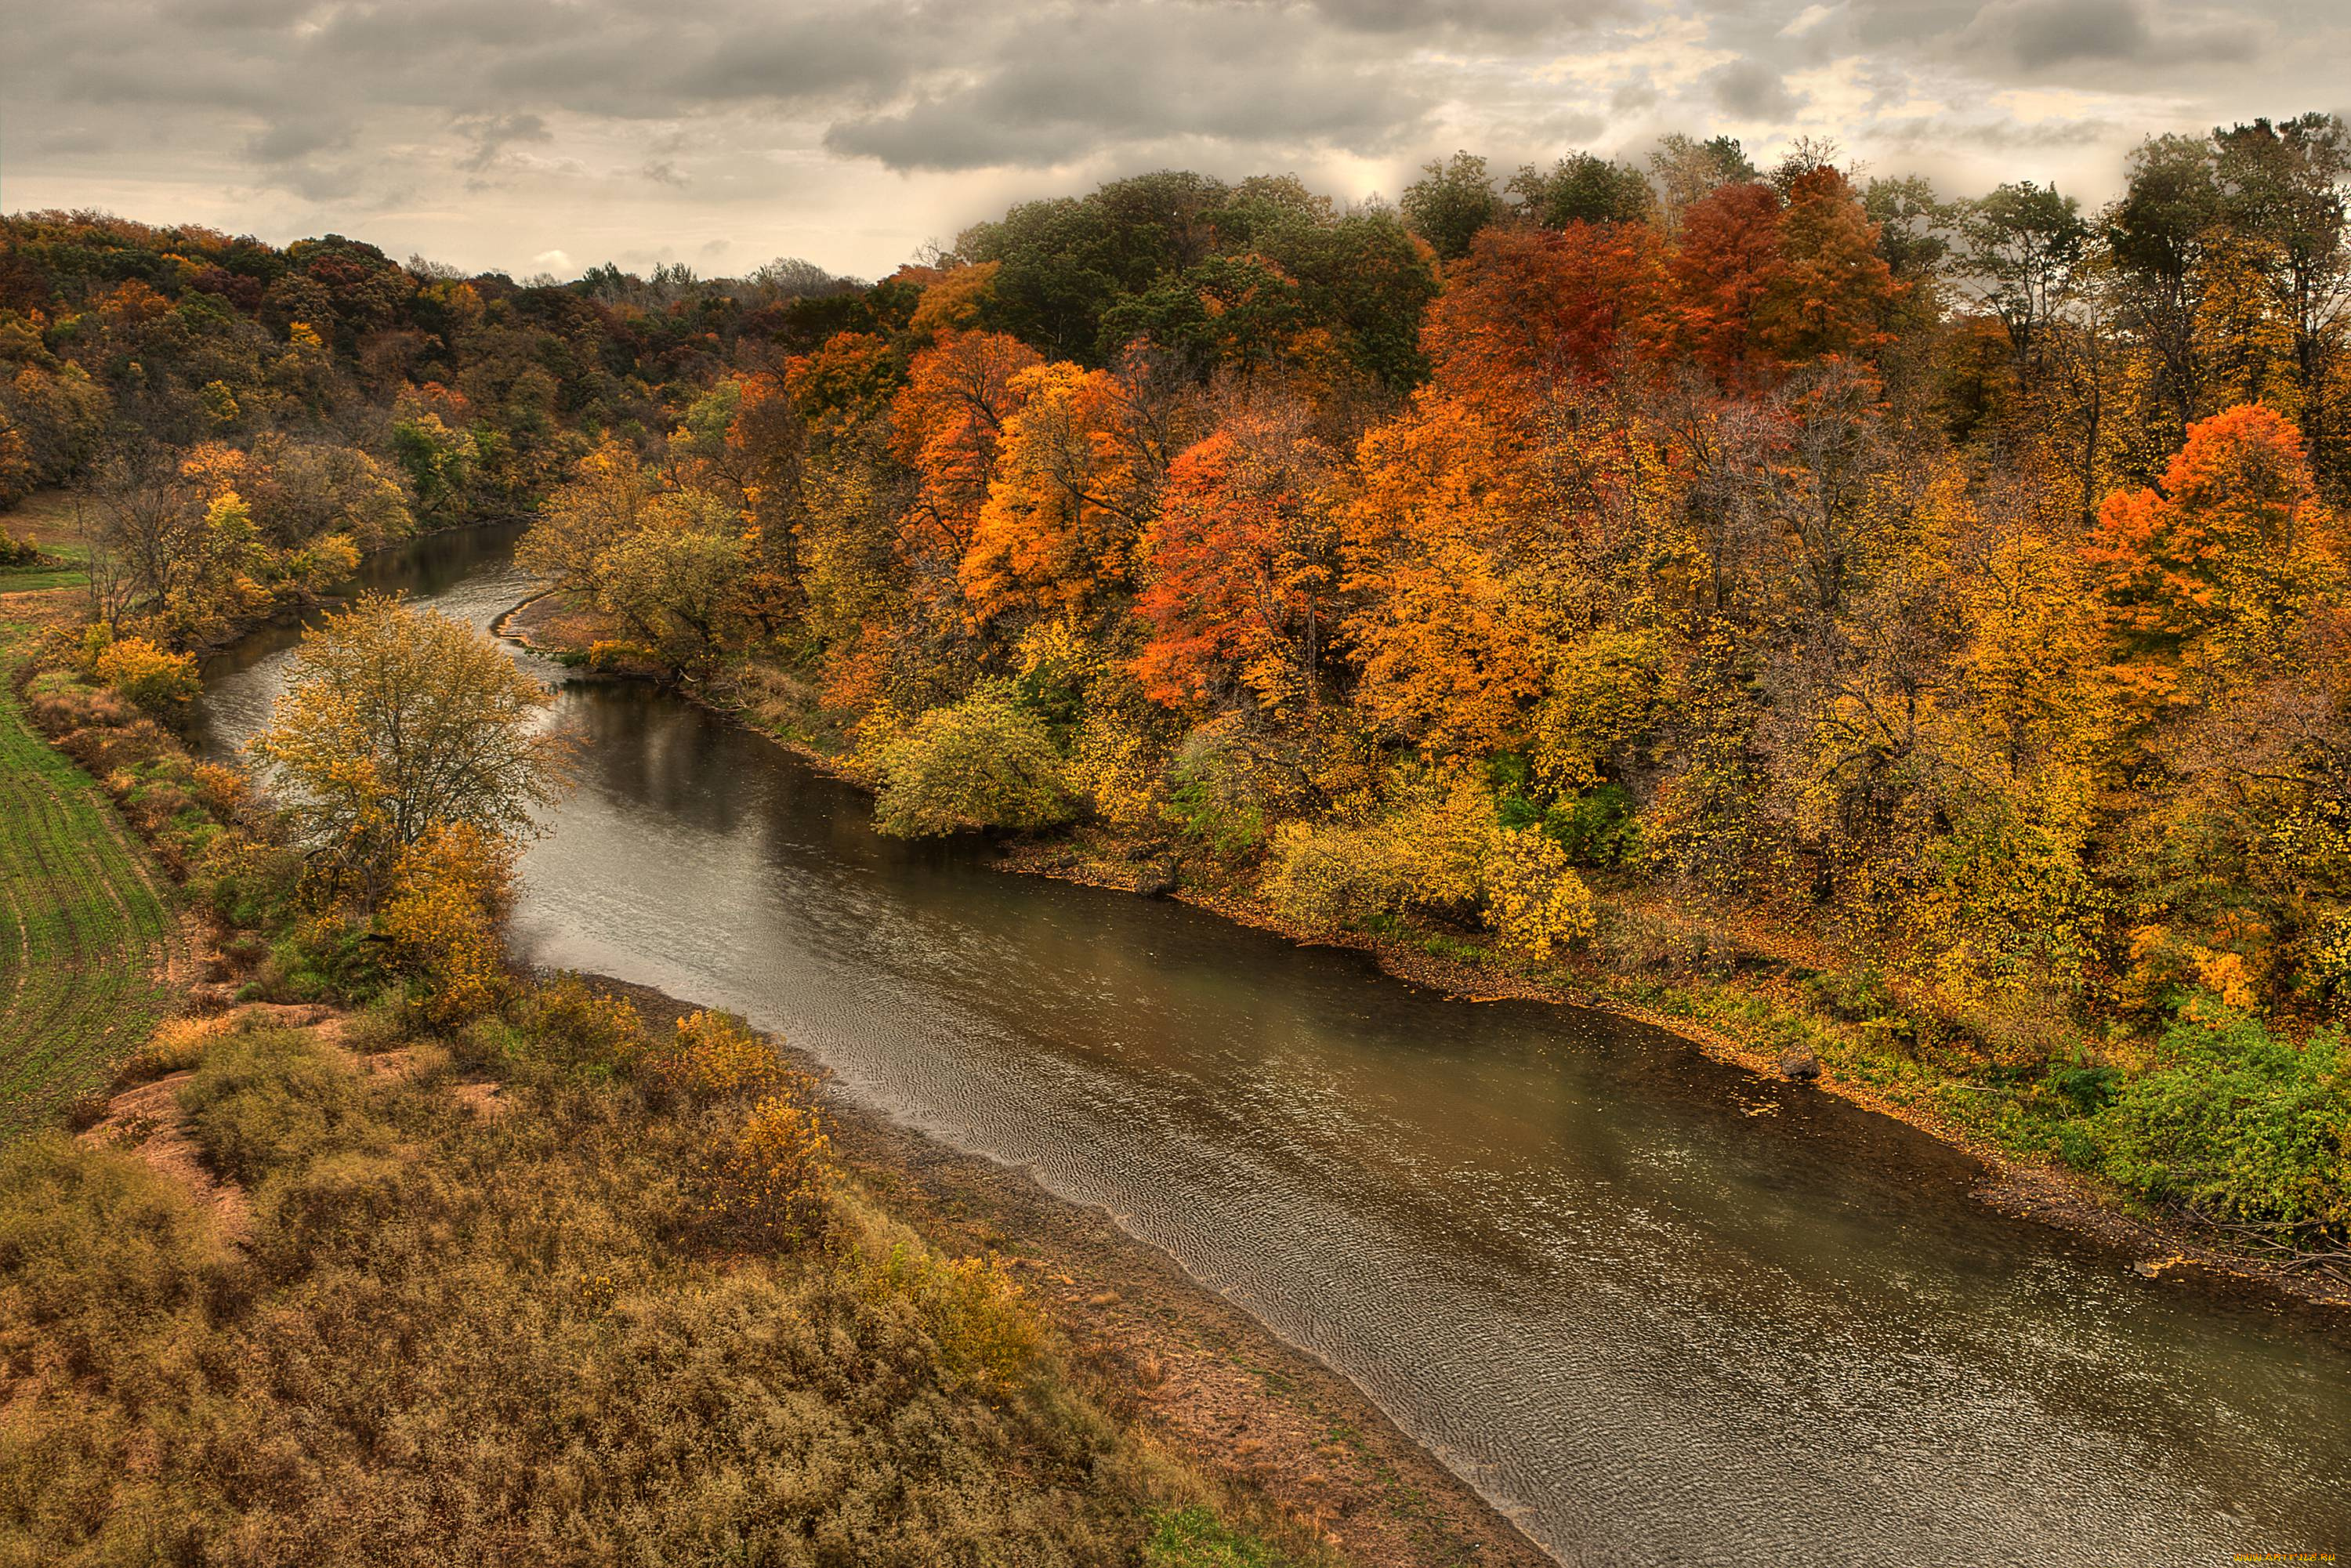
{"points": [[449, 890], [147, 676], [1534, 899], [989, 1334], [773, 1184], [713, 1056]]}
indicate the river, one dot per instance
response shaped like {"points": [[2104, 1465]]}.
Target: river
{"points": [[1658, 1310]]}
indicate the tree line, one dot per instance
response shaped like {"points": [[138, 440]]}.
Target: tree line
{"points": [[1955, 585]]}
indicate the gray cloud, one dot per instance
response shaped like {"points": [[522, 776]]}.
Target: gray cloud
{"points": [[1065, 85], [502, 129], [1750, 89]]}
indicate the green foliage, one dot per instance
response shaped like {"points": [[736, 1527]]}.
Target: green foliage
{"points": [[2237, 1123], [1195, 1537], [1600, 827], [986, 762], [84, 930]]}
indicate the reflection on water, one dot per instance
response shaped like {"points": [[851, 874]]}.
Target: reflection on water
{"points": [[1662, 1311]]}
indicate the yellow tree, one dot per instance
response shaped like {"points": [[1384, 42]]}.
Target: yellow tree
{"points": [[396, 722]]}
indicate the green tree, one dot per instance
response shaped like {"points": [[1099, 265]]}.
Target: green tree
{"points": [[1450, 203]]}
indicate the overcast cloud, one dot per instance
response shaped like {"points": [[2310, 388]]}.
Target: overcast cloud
{"points": [[552, 134]]}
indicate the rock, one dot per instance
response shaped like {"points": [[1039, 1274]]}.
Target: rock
{"points": [[1155, 880], [1800, 1066]]}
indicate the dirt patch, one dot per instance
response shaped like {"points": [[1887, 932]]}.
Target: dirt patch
{"points": [[479, 1096], [146, 1121], [1203, 1374]]}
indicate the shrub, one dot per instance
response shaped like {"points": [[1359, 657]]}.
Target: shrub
{"points": [[89, 1238], [568, 1020], [271, 1098], [1533, 900], [986, 762], [1325, 876], [2237, 1123], [450, 889], [717, 1056], [1599, 827], [177, 1045], [988, 1335], [148, 676], [773, 1184]]}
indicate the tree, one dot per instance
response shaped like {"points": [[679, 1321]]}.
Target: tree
{"points": [[2286, 186], [1529, 309], [1687, 172], [2157, 233], [986, 762], [1450, 203], [1241, 567], [1727, 266], [2018, 250], [2215, 561], [396, 722], [945, 426], [1067, 500], [1583, 188]]}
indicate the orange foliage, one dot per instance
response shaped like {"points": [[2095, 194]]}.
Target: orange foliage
{"points": [[1241, 566], [1450, 652], [1529, 307], [945, 424], [1063, 511], [2218, 543]]}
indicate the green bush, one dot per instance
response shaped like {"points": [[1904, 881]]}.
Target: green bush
{"points": [[1598, 828], [2237, 1123], [986, 762]]}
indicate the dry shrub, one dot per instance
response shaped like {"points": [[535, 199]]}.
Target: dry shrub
{"points": [[570, 1022], [988, 1335], [177, 1045], [223, 792], [480, 1340], [717, 1056], [773, 1186]]}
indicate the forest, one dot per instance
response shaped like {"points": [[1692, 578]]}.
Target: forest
{"points": [[1613, 568]]}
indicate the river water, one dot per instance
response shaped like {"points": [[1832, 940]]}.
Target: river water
{"points": [[1657, 1309]]}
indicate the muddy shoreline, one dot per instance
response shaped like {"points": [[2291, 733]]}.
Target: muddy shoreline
{"points": [[2038, 1191], [1208, 1378]]}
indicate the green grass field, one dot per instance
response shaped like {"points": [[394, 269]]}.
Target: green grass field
{"points": [[85, 925]]}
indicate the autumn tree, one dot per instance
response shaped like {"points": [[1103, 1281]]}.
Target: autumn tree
{"points": [[1242, 566], [398, 722]]}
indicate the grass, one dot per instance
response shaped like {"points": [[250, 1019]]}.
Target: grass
{"points": [[85, 926]]}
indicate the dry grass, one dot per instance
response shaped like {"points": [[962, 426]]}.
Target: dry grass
{"points": [[452, 1337]]}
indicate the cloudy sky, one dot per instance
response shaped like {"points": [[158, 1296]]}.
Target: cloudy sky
{"points": [[536, 135]]}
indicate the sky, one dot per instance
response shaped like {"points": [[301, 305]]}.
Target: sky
{"points": [[549, 135]]}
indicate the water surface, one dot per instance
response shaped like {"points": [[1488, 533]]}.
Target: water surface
{"points": [[1659, 1310]]}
